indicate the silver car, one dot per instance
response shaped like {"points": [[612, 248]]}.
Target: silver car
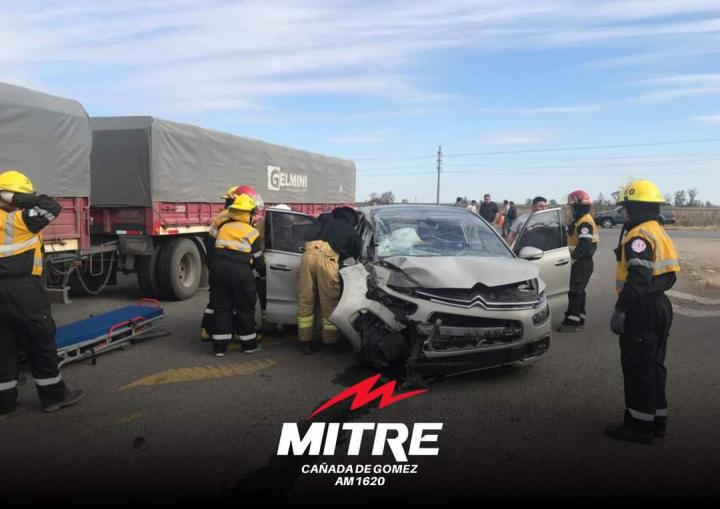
{"points": [[435, 288]]}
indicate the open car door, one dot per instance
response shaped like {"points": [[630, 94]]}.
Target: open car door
{"points": [[545, 231], [285, 235]]}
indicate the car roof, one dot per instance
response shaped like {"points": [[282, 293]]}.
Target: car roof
{"points": [[373, 209]]}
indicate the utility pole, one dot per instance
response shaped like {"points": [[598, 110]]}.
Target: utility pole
{"points": [[439, 169]]}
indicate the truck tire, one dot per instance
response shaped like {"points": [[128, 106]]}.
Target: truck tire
{"points": [[607, 223], [147, 275], [179, 266]]}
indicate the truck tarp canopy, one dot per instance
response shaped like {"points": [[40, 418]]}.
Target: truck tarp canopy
{"points": [[47, 138], [140, 160]]}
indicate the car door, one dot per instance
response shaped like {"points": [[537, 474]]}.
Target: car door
{"points": [[545, 230], [285, 235]]}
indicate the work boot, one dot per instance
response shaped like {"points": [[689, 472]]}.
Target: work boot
{"points": [[307, 348], [12, 413], [70, 398], [660, 427], [570, 326], [254, 349], [632, 430]]}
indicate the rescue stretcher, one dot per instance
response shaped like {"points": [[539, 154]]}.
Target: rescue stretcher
{"points": [[107, 331]]}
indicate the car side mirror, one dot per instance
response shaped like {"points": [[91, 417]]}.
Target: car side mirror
{"points": [[531, 253]]}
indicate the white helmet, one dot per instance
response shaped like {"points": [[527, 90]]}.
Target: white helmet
{"points": [[282, 206]]}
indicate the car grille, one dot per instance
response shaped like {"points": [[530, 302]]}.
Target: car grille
{"points": [[458, 331], [503, 297]]}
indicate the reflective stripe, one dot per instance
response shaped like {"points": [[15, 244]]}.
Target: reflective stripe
{"points": [[661, 412], [586, 236], [9, 248], [35, 211], [640, 416], [573, 318], [44, 382], [6, 386], [222, 337], [10, 228], [328, 325], [248, 337], [258, 254], [641, 263], [666, 263], [209, 311], [241, 245], [305, 321]]}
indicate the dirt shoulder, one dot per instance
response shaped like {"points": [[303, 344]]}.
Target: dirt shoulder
{"points": [[700, 264]]}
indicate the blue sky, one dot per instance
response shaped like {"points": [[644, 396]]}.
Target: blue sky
{"points": [[385, 82]]}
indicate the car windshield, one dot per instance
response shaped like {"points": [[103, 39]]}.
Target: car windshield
{"points": [[434, 231]]}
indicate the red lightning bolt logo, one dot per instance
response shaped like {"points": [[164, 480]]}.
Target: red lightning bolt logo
{"points": [[363, 393]]}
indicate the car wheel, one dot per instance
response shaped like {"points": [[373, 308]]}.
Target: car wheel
{"points": [[607, 223]]}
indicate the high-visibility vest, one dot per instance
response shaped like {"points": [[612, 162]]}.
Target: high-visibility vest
{"points": [[577, 234], [665, 257], [236, 236], [16, 239]]}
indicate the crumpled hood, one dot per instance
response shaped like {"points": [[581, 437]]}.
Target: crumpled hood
{"points": [[464, 271]]}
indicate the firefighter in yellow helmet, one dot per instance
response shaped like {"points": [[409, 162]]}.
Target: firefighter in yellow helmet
{"points": [[647, 264], [583, 239], [232, 257], [25, 319], [318, 277]]}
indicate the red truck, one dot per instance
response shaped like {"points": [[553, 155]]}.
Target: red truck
{"points": [[139, 193]]}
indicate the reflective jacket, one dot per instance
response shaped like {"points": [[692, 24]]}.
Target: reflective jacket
{"points": [[20, 239], [583, 237]]}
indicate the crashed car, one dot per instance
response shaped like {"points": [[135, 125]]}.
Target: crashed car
{"points": [[436, 288]]}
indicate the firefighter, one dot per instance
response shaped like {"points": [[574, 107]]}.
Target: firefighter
{"points": [[318, 276], [647, 266], [221, 218], [25, 319], [583, 239], [232, 259]]}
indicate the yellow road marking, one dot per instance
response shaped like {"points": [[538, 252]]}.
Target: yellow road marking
{"points": [[181, 375], [131, 418]]}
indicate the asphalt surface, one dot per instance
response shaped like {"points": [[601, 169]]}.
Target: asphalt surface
{"points": [[211, 432]]}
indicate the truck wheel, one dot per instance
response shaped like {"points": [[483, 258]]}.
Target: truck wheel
{"points": [[147, 275], [179, 266], [607, 223]]}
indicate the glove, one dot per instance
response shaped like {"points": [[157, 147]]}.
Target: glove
{"points": [[617, 322], [6, 196]]}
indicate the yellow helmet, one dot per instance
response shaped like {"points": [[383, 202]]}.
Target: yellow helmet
{"points": [[243, 203], [641, 191], [15, 182]]}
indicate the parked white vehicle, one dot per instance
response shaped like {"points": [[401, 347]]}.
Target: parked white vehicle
{"points": [[435, 287]]}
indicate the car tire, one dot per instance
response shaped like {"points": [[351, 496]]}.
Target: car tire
{"points": [[607, 223], [179, 266]]}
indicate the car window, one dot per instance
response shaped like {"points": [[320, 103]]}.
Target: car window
{"points": [[288, 231], [543, 230], [417, 231]]}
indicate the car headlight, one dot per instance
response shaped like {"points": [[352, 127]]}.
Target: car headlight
{"points": [[389, 301], [544, 312]]}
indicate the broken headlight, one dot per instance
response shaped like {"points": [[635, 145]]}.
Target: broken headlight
{"points": [[391, 302], [544, 312]]}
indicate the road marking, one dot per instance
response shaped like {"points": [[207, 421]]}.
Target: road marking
{"points": [[181, 375], [131, 418], [695, 313], [694, 298]]}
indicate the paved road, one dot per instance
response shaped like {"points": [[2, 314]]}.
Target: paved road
{"points": [[152, 427]]}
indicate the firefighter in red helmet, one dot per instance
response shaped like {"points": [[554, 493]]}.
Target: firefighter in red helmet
{"points": [[583, 239]]}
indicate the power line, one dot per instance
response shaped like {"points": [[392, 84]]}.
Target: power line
{"points": [[540, 150]]}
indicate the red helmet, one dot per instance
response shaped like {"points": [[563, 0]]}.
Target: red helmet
{"points": [[579, 197], [250, 191]]}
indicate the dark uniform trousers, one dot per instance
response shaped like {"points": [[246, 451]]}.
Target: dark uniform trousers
{"points": [[232, 286], [26, 323], [643, 346], [580, 274]]}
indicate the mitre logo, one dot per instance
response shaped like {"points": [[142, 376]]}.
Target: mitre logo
{"points": [[321, 438]]}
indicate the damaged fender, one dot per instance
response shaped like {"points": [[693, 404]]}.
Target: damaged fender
{"points": [[354, 302]]}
